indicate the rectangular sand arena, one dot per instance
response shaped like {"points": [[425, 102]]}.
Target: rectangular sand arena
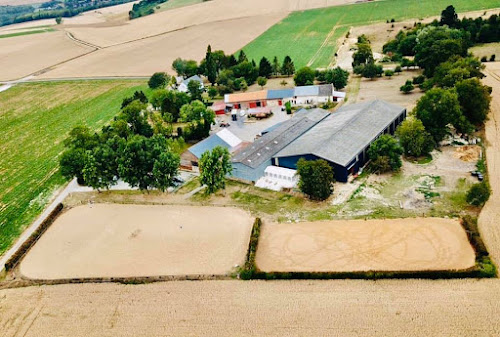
{"points": [[359, 245], [109, 240]]}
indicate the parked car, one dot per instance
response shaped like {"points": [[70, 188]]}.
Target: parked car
{"points": [[480, 176]]}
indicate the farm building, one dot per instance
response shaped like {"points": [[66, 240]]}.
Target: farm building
{"points": [[224, 138], [343, 138], [247, 100], [183, 86], [250, 163], [306, 95], [219, 107]]}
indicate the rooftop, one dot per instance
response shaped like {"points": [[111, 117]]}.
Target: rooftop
{"points": [[272, 142], [192, 78], [224, 138], [280, 93], [342, 135], [246, 96]]}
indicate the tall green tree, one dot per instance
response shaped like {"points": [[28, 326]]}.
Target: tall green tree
{"points": [[195, 90], [214, 166], [475, 99], [135, 115], [242, 57], [165, 169], [363, 55], [158, 81], [262, 81], [372, 70], [288, 67], [438, 44], [385, 154], [338, 77], [304, 76], [276, 66], [449, 17], [316, 178], [265, 68], [416, 141], [210, 65], [439, 108]]}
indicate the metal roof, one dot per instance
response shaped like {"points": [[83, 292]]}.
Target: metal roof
{"points": [[192, 78], [224, 138], [345, 133], [308, 90], [268, 145], [280, 93]]}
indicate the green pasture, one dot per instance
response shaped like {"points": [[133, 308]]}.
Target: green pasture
{"points": [[310, 37], [34, 121], [28, 32]]}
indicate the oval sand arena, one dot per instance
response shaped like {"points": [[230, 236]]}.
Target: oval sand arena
{"points": [[109, 240], [358, 245]]}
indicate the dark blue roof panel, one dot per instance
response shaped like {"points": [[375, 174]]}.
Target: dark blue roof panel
{"points": [[280, 93]]}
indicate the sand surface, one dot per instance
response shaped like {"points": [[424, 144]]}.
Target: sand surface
{"points": [[106, 240], [359, 245], [344, 308]]}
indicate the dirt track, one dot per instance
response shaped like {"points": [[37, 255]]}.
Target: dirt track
{"points": [[358, 245], [106, 240]]}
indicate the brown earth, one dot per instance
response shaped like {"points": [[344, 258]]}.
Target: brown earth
{"points": [[358, 245], [21, 56], [106, 240]]}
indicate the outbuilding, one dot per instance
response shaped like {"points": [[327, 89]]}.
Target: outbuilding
{"points": [[183, 86], [344, 137]]}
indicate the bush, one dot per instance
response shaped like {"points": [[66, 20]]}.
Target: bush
{"points": [[389, 73], [478, 194], [316, 178], [484, 59], [492, 58], [398, 69], [417, 80], [249, 269], [407, 87]]}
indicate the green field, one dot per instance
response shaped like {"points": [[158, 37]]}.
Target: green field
{"points": [[310, 37], [34, 121], [29, 32], [171, 4]]}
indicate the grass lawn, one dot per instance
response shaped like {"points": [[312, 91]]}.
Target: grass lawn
{"points": [[310, 37], [28, 32], [34, 120]]}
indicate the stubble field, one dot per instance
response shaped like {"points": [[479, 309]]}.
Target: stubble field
{"points": [[35, 119], [110, 240]]}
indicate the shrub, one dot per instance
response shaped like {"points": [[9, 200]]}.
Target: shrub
{"points": [[398, 69], [389, 73], [316, 178], [484, 59], [478, 194], [249, 269], [492, 58], [407, 87], [417, 80]]}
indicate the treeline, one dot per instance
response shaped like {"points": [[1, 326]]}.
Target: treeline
{"points": [[139, 145], [467, 31], [17, 14], [228, 73], [144, 8]]}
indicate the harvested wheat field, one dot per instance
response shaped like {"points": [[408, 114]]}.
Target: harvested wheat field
{"points": [[358, 245], [23, 55], [106, 240], [452, 308]]}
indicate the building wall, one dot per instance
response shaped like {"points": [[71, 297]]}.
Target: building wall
{"points": [[311, 100], [246, 173], [341, 173]]}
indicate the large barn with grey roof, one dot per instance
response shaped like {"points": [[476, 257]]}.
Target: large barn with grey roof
{"points": [[341, 138]]}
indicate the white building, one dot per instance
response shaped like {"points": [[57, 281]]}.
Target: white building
{"points": [[277, 178], [183, 86]]}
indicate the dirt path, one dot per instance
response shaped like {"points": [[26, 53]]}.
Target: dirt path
{"points": [[488, 220]]}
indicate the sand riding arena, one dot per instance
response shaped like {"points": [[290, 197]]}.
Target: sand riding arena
{"points": [[110, 240], [358, 245]]}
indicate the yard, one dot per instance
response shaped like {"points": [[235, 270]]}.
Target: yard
{"points": [[312, 37], [106, 240], [35, 119]]}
